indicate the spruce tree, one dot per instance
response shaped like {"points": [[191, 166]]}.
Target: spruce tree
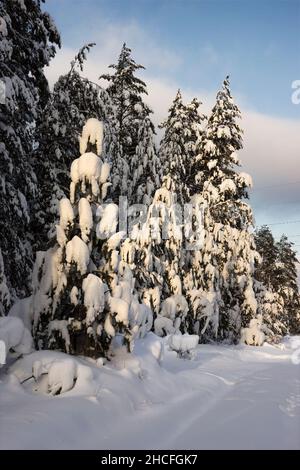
{"points": [[173, 153], [158, 260], [221, 278], [287, 285], [267, 285], [83, 286], [266, 271], [73, 101], [145, 168], [270, 305], [194, 133], [136, 171], [159, 249], [70, 300], [27, 43]]}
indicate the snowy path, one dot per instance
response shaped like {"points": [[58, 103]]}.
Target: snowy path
{"points": [[227, 397], [261, 410]]}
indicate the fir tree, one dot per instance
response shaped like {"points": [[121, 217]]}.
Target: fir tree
{"points": [[83, 287], [137, 170], [70, 301], [159, 250], [287, 284], [179, 147], [144, 166], [158, 260], [194, 133], [270, 305], [27, 44], [267, 284], [173, 153], [266, 271], [73, 101], [221, 277]]}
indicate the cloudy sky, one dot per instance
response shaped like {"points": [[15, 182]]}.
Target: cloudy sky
{"points": [[193, 45]]}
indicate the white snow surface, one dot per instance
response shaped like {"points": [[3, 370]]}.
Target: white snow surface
{"points": [[226, 397], [183, 343], [15, 336]]}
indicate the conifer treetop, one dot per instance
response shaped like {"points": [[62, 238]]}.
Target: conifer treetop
{"points": [[124, 75], [224, 117]]}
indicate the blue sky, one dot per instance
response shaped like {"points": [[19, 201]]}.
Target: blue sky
{"points": [[257, 42], [194, 44]]}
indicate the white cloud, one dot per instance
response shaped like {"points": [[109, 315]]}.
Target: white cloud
{"points": [[271, 148], [109, 39]]}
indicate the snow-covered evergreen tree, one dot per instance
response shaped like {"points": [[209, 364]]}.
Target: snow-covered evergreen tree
{"points": [[159, 255], [221, 278], [137, 172], [179, 148], [27, 43], [266, 271], [173, 152], [158, 260], [73, 101], [145, 169], [194, 133], [270, 305], [276, 276], [83, 289], [287, 284], [70, 301], [267, 284]]}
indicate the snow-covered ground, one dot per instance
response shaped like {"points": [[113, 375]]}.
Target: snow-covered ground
{"points": [[227, 397]]}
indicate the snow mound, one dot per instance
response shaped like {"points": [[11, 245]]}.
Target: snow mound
{"points": [[15, 336], [174, 404], [92, 133], [183, 344], [54, 373], [253, 335], [61, 376]]}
